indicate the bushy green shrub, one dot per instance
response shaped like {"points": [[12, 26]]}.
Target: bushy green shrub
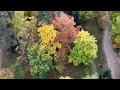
{"points": [[18, 72], [105, 74], [85, 49]]}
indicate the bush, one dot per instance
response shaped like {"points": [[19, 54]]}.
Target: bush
{"points": [[85, 49], [6, 73], [66, 77], [18, 72], [60, 68], [40, 62], [105, 74], [94, 76]]}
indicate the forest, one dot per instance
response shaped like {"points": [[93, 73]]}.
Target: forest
{"points": [[59, 45]]}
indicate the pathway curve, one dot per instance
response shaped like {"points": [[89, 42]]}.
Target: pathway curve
{"points": [[110, 55]]}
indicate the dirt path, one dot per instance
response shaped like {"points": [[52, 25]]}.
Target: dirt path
{"points": [[0, 57], [110, 55]]}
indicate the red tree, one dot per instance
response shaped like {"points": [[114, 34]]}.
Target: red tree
{"points": [[67, 32]]}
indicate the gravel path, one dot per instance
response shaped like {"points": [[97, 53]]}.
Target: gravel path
{"points": [[111, 56]]}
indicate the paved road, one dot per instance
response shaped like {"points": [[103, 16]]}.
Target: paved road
{"points": [[111, 56]]}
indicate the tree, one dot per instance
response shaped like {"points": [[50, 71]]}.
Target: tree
{"points": [[24, 31], [40, 62], [58, 37], [66, 33], [115, 31], [48, 34], [85, 49], [82, 16]]}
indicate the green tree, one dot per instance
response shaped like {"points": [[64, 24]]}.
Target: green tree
{"points": [[85, 49], [26, 34], [40, 62], [115, 30]]}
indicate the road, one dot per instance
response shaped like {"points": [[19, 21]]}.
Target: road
{"points": [[110, 55], [0, 57]]}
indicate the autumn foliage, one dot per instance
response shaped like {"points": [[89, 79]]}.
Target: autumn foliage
{"points": [[66, 23], [58, 39], [52, 45], [67, 32]]}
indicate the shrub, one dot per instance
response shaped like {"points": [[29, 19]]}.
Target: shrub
{"points": [[18, 72], [6, 73], [105, 74], [66, 77], [94, 76], [60, 68], [85, 49]]}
